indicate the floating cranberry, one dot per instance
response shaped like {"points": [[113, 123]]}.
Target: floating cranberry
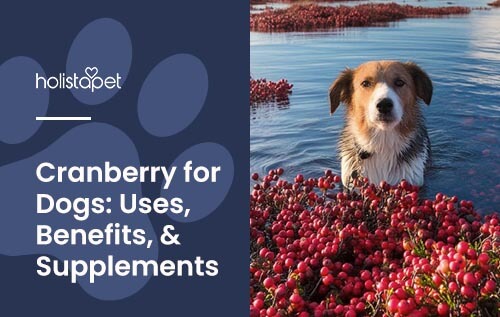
{"points": [[264, 91], [443, 309], [320, 251], [313, 17], [462, 247]]}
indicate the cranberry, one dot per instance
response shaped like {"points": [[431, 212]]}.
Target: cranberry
{"points": [[443, 309]]}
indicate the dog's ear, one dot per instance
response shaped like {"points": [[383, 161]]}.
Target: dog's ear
{"points": [[423, 84], [340, 90]]}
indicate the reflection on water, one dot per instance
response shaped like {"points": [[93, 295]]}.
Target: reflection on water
{"points": [[267, 111], [462, 56]]}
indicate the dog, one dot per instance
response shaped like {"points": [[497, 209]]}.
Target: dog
{"points": [[384, 137]]}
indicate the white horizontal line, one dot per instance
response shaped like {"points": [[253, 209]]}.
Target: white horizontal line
{"points": [[63, 118]]}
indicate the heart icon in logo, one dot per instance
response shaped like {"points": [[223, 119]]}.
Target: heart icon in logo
{"points": [[91, 71]]}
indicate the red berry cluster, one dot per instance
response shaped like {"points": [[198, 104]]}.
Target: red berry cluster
{"points": [[314, 17], [495, 3], [370, 251], [292, 1], [262, 91]]}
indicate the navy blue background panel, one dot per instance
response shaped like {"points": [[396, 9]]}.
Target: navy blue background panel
{"points": [[215, 33]]}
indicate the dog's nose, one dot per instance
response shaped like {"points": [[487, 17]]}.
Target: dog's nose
{"points": [[385, 106]]}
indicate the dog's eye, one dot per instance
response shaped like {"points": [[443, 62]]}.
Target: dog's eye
{"points": [[366, 84], [399, 83]]}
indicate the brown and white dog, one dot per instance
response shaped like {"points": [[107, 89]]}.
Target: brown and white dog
{"points": [[384, 137]]}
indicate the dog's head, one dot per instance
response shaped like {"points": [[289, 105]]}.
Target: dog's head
{"points": [[382, 94]]}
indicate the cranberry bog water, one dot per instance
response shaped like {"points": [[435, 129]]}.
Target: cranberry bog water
{"points": [[379, 250], [462, 57]]}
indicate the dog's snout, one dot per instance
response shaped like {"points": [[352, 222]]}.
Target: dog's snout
{"points": [[385, 105]]}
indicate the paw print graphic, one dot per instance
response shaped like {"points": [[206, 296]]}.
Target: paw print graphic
{"points": [[169, 100]]}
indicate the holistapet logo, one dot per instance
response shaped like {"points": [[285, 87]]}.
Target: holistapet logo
{"points": [[90, 81]]}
